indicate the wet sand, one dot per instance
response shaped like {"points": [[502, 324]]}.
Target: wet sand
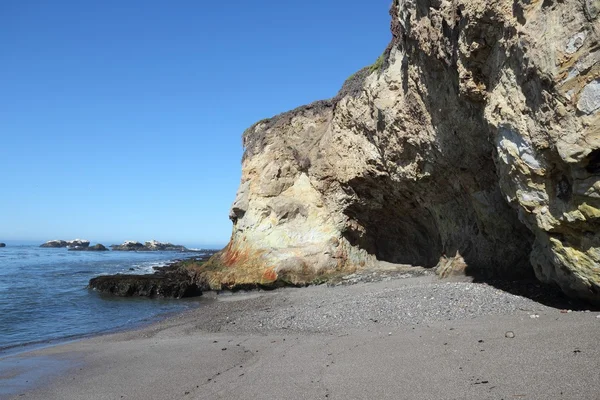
{"points": [[413, 338]]}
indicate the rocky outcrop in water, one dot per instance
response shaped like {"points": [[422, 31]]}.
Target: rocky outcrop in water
{"points": [[172, 285], [472, 145], [2, 244], [172, 281], [66, 243], [97, 247], [152, 245]]}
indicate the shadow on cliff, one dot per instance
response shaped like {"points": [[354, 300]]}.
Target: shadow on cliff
{"points": [[507, 269]]}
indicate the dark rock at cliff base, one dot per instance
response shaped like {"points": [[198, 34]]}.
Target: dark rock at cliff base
{"points": [[152, 245], [97, 247], [66, 243], [2, 244], [172, 281], [152, 286]]}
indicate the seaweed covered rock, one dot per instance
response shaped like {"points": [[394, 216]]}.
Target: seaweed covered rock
{"points": [[167, 282]]}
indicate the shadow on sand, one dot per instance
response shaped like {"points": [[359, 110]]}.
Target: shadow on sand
{"points": [[548, 295]]}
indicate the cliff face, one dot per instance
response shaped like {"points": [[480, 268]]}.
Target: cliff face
{"points": [[475, 145]]}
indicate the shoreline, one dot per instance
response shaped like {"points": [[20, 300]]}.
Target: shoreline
{"points": [[16, 348], [329, 330]]}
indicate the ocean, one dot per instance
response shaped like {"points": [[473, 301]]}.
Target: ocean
{"points": [[44, 295]]}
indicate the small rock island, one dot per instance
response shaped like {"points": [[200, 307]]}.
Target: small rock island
{"points": [[97, 247], [152, 245], [2, 244], [74, 245], [56, 244]]}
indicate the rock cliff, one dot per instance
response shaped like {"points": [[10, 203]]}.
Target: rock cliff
{"points": [[473, 145]]}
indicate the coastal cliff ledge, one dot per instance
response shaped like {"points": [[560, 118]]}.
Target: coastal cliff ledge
{"points": [[472, 145]]}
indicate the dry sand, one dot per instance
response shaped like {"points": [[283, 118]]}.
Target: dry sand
{"points": [[413, 338]]}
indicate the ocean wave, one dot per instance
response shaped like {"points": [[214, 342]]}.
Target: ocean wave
{"points": [[145, 268]]}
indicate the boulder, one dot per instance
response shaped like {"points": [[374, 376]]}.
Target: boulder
{"points": [[472, 144]]}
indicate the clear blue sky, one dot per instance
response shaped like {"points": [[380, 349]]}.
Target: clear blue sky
{"points": [[123, 119]]}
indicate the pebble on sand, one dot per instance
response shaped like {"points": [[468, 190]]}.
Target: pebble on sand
{"points": [[509, 334]]}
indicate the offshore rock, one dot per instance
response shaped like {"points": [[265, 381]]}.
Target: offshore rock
{"points": [[2, 244], [474, 146], [153, 245], [97, 247], [128, 245], [66, 243]]}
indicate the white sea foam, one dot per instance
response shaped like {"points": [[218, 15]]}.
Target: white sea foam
{"points": [[201, 252], [145, 268]]}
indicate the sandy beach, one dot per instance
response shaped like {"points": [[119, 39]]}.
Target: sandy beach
{"points": [[396, 338]]}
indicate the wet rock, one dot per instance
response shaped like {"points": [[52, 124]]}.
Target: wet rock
{"points": [[166, 282]]}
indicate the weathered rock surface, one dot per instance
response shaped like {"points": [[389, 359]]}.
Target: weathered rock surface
{"points": [[474, 147], [152, 245], [2, 244], [97, 247], [67, 243]]}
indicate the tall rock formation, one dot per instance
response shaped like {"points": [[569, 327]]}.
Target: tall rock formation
{"points": [[474, 140]]}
